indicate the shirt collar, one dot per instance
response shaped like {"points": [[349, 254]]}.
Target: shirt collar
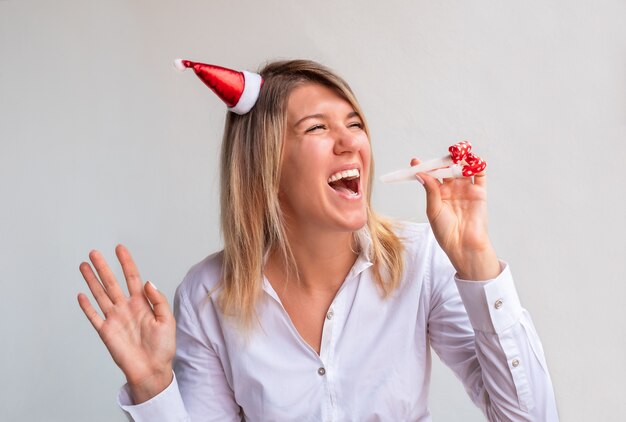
{"points": [[361, 264]]}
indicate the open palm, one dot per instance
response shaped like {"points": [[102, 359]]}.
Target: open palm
{"points": [[138, 330]]}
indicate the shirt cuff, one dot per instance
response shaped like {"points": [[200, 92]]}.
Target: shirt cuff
{"points": [[492, 305], [166, 406]]}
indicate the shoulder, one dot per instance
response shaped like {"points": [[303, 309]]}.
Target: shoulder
{"points": [[197, 319], [202, 279], [421, 248], [417, 238], [411, 230]]}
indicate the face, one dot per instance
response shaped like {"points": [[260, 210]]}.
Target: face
{"points": [[325, 162]]}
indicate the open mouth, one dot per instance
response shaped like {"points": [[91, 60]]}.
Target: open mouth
{"points": [[346, 182]]}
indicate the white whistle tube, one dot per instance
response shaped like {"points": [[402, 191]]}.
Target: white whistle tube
{"points": [[408, 174], [451, 172]]}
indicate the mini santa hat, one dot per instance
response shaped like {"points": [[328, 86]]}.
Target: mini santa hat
{"points": [[239, 90]]}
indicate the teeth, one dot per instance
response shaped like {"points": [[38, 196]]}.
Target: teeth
{"points": [[346, 174]]}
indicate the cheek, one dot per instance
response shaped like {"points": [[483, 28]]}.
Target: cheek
{"points": [[366, 152], [298, 177], [307, 161], [366, 155], [293, 168]]}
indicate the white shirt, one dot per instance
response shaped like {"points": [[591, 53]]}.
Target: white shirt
{"points": [[374, 362]]}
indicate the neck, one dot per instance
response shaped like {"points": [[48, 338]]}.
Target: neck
{"points": [[323, 260]]}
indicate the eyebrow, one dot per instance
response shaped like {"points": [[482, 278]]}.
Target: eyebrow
{"points": [[320, 115]]}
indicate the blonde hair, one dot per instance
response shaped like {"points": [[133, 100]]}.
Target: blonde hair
{"points": [[251, 219]]}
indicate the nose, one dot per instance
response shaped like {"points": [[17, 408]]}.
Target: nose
{"points": [[345, 141]]}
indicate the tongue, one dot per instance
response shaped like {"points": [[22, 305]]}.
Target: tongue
{"points": [[344, 190], [342, 186]]}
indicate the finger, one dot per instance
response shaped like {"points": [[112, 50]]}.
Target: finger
{"points": [[448, 181], [159, 302], [91, 314], [415, 161], [452, 180], [433, 195], [112, 289], [133, 280], [480, 179], [96, 288]]}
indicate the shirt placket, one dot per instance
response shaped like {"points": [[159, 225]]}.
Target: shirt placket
{"points": [[334, 315], [331, 329], [327, 347]]}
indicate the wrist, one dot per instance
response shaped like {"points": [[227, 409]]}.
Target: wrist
{"points": [[151, 386], [477, 265]]}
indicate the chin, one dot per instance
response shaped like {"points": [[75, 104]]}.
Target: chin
{"points": [[354, 224]]}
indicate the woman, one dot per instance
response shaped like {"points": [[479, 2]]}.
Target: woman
{"points": [[317, 308]]}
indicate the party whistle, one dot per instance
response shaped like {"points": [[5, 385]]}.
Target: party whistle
{"points": [[457, 151], [444, 167]]}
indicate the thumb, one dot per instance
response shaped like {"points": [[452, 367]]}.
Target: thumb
{"points": [[159, 302], [433, 195]]}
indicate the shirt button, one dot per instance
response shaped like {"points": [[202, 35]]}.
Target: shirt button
{"points": [[321, 371], [515, 363], [330, 314], [498, 304]]}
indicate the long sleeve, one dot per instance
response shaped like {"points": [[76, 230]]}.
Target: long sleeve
{"points": [[480, 331], [166, 406], [203, 384], [199, 391]]}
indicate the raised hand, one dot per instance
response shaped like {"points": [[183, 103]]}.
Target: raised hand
{"points": [[139, 331], [457, 212]]}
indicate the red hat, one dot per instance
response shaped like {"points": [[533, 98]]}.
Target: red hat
{"points": [[239, 90]]}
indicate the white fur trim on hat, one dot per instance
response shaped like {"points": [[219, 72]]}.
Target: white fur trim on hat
{"points": [[178, 64], [251, 88]]}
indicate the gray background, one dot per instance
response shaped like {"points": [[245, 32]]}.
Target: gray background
{"points": [[102, 141]]}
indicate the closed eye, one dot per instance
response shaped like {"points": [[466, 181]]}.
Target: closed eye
{"points": [[314, 128], [356, 124]]}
